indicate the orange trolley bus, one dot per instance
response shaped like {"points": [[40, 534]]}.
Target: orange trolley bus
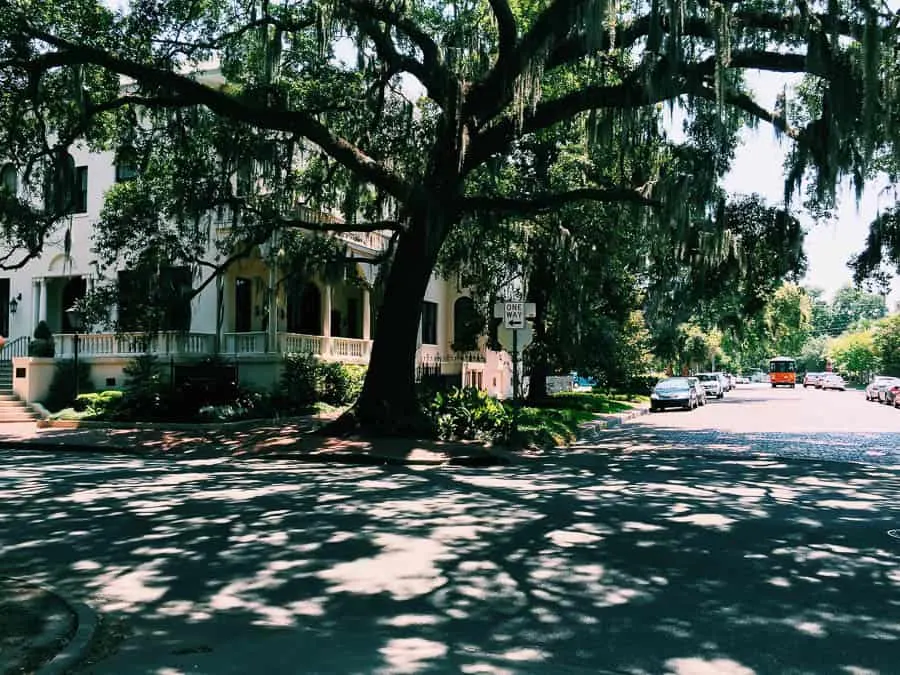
{"points": [[783, 371]]}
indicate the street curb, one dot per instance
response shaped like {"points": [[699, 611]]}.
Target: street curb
{"points": [[359, 459], [85, 626], [626, 417], [609, 421]]}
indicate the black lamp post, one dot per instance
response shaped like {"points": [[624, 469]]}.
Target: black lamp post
{"points": [[74, 316]]}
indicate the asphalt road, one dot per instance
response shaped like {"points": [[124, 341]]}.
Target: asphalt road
{"points": [[663, 546]]}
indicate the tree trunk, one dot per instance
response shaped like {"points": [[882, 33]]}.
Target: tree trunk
{"points": [[538, 292], [388, 404]]}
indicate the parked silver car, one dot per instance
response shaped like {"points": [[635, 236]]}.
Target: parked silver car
{"points": [[712, 383], [674, 392], [877, 388], [832, 381], [701, 392]]}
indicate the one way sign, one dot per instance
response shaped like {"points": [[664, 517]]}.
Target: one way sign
{"points": [[514, 314]]}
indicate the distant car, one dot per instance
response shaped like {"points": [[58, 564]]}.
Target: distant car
{"points": [[712, 384], [875, 390], [812, 379], [674, 392], [892, 395], [741, 379], [726, 382], [832, 381], [701, 392], [885, 387]]}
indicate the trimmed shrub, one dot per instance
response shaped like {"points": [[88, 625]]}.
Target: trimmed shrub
{"points": [[299, 381], [42, 344], [98, 404], [470, 414], [339, 384]]}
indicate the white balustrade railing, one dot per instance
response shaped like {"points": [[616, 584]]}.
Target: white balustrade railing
{"points": [[298, 343], [133, 344], [200, 344], [245, 343], [350, 348]]}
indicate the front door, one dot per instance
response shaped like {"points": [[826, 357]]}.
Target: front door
{"points": [[74, 290], [243, 305]]}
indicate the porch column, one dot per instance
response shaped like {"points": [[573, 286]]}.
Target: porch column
{"points": [[366, 315], [326, 320], [272, 339], [35, 302], [42, 303], [326, 311]]}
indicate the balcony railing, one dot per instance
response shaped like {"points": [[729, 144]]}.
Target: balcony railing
{"points": [[297, 343], [245, 343], [133, 344], [202, 344], [344, 349], [473, 356], [376, 241]]}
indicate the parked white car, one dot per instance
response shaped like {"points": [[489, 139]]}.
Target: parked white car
{"points": [[712, 384], [832, 381]]}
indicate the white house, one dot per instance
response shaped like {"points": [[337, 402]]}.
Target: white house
{"points": [[333, 321]]}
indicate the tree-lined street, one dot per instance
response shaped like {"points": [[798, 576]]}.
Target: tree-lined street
{"points": [[632, 552]]}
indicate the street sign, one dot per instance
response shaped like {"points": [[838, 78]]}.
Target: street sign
{"points": [[517, 344], [514, 314]]}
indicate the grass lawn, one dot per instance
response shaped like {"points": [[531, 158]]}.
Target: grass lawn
{"points": [[555, 421]]}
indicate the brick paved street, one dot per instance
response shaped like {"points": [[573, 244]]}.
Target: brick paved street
{"points": [[661, 546]]}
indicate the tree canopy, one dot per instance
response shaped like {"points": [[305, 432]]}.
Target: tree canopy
{"points": [[312, 95]]}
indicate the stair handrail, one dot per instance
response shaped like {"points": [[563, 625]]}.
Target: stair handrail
{"points": [[15, 348]]}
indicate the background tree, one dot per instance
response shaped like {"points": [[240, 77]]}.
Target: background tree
{"points": [[821, 319], [853, 354], [814, 354], [788, 317], [851, 305], [886, 340], [492, 73]]}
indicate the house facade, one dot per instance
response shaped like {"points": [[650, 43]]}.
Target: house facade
{"points": [[245, 316]]}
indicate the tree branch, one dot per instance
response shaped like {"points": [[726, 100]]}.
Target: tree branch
{"points": [[575, 47], [634, 94], [193, 92], [433, 74], [545, 202], [506, 26], [312, 226], [397, 62], [490, 96]]}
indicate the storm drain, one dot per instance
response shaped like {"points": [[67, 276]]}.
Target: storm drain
{"points": [[894, 533]]}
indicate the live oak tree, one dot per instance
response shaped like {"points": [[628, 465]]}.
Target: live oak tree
{"points": [[330, 76]]}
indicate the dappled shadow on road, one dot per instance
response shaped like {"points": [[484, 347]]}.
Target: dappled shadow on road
{"points": [[630, 562], [881, 448], [187, 440]]}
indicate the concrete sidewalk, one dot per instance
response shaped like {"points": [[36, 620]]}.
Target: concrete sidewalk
{"points": [[289, 439]]}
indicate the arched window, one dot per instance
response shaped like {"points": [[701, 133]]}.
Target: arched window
{"points": [[9, 180], [467, 325]]}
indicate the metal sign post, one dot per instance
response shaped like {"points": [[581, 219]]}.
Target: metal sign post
{"points": [[514, 334]]}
